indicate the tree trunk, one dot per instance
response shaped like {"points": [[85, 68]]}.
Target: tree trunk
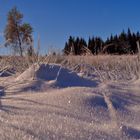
{"points": [[20, 45], [20, 49]]}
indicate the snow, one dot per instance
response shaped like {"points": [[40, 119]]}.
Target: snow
{"points": [[6, 73], [70, 106], [56, 75]]}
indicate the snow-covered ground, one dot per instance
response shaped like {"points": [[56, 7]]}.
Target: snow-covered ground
{"points": [[49, 102]]}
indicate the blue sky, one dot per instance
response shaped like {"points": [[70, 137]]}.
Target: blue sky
{"points": [[56, 20]]}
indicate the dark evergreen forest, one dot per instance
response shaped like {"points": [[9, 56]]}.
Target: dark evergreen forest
{"points": [[124, 43]]}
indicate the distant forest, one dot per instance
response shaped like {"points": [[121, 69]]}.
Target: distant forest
{"points": [[124, 43]]}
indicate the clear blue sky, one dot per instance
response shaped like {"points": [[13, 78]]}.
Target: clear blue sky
{"points": [[56, 20]]}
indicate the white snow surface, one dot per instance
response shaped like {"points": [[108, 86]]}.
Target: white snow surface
{"points": [[50, 102], [59, 76]]}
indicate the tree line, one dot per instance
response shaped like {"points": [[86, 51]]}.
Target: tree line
{"points": [[124, 43], [18, 36]]}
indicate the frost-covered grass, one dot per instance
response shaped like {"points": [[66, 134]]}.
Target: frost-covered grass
{"points": [[107, 67]]}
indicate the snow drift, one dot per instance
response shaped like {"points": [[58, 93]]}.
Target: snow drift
{"points": [[56, 75]]}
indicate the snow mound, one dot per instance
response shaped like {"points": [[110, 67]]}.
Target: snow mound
{"points": [[66, 78], [55, 75], [42, 72]]}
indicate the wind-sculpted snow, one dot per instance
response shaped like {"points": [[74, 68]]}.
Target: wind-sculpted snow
{"points": [[50, 102], [55, 76]]}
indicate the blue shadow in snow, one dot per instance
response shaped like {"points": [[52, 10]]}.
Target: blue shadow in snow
{"points": [[131, 132], [97, 101], [66, 78], [2, 93]]}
